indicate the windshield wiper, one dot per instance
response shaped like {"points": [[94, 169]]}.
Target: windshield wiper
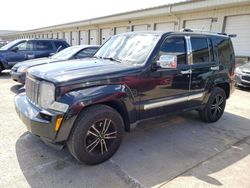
{"points": [[110, 58]]}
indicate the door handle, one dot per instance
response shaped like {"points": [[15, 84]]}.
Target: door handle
{"points": [[186, 71], [215, 68], [30, 56]]}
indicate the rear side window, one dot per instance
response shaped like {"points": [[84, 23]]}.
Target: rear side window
{"points": [[175, 46], [61, 45], [44, 46], [224, 50], [200, 50], [89, 52]]}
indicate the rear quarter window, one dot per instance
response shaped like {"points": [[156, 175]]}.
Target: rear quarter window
{"points": [[61, 45], [225, 51]]}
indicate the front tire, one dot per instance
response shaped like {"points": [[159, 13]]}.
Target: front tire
{"points": [[97, 134], [215, 106]]}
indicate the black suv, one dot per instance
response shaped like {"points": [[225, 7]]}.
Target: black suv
{"points": [[88, 104], [25, 49]]}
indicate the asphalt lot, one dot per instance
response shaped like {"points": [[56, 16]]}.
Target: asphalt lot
{"points": [[176, 151]]}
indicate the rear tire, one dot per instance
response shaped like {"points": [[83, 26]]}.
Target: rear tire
{"points": [[97, 134], [214, 107], [1, 68]]}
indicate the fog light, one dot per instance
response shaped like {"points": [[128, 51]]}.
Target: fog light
{"points": [[58, 123]]}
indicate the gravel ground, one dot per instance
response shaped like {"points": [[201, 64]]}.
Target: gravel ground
{"points": [[174, 151]]}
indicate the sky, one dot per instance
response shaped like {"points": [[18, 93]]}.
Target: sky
{"points": [[32, 14]]}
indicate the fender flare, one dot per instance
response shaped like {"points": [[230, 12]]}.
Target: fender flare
{"points": [[112, 95]]}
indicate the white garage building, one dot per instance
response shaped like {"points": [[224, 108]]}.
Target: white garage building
{"points": [[230, 16]]}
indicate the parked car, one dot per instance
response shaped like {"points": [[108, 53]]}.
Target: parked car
{"points": [[18, 72], [88, 104], [2, 43], [242, 75], [24, 49]]}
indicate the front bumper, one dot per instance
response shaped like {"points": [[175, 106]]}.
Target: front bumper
{"points": [[39, 122], [18, 76], [242, 82]]}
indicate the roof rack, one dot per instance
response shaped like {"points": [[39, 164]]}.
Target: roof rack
{"points": [[201, 31]]}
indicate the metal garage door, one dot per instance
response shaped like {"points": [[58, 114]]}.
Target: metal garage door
{"points": [[140, 27], [67, 37], [83, 37], [203, 24], [60, 35], [93, 37], [239, 25], [106, 34], [75, 38], [119, 30], [164, 26]]}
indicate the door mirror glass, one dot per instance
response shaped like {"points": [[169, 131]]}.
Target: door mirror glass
{"points": [[14, 49], [167, 62]]}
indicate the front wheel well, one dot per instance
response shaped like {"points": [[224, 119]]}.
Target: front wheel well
{"points": [[225, 87], [122, 110]]}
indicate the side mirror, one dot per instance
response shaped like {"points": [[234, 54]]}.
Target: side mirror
{"points": [[14, 49], [167, 62]]}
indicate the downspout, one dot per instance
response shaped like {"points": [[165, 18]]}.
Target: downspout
{"points": [[174, 16]]}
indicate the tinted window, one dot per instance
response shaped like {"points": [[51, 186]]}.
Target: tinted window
{"points": [[200, 50], [44, 45], [60, 44], [27, 45], [175, 46], [89, 52], [225, 50]]}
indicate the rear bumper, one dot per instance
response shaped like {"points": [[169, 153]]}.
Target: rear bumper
{"points": [[39, 122], [18, 77], [241, 82]]}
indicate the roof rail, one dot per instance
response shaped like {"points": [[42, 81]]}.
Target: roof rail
{"points": [[201, 31]]}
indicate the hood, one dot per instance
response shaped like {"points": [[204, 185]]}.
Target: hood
{"points": [[73, 70], [245, 68], [34, 62]]}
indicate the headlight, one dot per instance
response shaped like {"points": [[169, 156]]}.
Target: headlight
{"points": [[46, 94], [238, 71], [22, 69]]}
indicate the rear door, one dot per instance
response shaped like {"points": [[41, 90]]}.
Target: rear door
{"points": [[204, 67], [44, 49]]}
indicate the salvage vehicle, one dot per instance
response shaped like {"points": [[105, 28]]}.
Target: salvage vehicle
{"points": [[87, 105], [242, 75], [18, 72], [25, 49]]}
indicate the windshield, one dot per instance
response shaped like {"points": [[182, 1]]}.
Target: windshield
{"points": [[66, 53], [128, 48], [7, 46]]}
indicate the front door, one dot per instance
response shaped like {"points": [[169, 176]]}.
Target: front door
{"points": [[167, 90]]}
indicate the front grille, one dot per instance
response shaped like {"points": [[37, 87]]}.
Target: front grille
{"points": [[247, 78], [32, 89]]}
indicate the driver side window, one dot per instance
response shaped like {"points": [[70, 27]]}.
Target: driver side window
{"points": [[24, 46], [174, 46]]}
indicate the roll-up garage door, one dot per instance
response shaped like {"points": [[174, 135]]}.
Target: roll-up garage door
{"points": [[60, 35], [74, 38], [93, 37], [119, 30], [239, 25], [202, 24], [83, 37], [106, 34], [68, 37], [140, 27], [164, 26]]}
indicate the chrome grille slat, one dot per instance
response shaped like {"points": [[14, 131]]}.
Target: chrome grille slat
{"points": [[32, 89]]}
